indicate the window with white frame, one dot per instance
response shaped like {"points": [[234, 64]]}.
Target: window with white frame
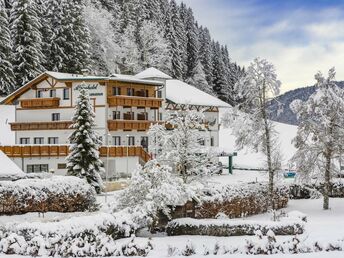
{"points": [[38, 140]]}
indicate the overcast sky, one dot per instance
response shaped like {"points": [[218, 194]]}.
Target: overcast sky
{"points": [[300, 37]]}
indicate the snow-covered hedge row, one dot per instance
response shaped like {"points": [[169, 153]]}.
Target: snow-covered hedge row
{"points": [[93, 235], [239, 200], [227, 227], [262, 245], [58, 193], [314, 190]]}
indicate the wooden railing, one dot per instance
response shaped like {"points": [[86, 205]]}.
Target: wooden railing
{"points": [[55, 125], [27, 151], [139, 125], [133, 101], [40, 103]]}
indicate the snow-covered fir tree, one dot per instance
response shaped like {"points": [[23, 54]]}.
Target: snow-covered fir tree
{"points": [[178, 144], [320, 134], [154, 189], [83, 159], [7, 79], [250, 120], [27, 41], [218, 71]]}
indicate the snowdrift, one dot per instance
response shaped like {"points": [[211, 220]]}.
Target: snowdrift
{"points": [[8, 169]]}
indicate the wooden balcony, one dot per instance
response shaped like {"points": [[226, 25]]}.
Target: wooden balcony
{"points": [[56, 125], [40, 103], [128, 125], [28, 151], [133, 101]]}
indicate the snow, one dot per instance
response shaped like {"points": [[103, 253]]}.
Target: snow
{"points": [[182, 93], [250, 159], [8, 168], [152, 73]]}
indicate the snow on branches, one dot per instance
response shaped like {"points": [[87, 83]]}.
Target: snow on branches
{"points": [[83, 160], [320, 134], [178, 144], [250, 119]]}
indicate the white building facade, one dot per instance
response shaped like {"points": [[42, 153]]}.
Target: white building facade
{"points": [[125, 107]]}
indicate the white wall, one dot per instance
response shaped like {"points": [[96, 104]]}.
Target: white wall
{"points": [[7, 115]]}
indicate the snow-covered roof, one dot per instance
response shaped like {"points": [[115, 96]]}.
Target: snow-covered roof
{"points": [[182, 93], [8, 168], [152, 73]]}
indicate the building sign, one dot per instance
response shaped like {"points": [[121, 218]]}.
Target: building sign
{"points": [[92, 88]]}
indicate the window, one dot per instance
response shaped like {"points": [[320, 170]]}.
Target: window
{"points": [[144, 142], [159, 94], [55, 116], [39, 93], [160, 116], [61, 166], [116, 140], [24, 140], [211, 141], [130, 92], [142, 116], [37, 168], [66, 93], [201, 142], [116, 91], [129, 116], [38, 140], [131, 140], [116, 115], [52, 93], [53, 140]]}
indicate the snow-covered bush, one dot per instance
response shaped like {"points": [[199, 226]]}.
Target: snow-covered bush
{"points": [[213, 227], [240, 200], [178, 144], [314, 190], [134, 249], [153, 189], [93, 235], [58, 193]]}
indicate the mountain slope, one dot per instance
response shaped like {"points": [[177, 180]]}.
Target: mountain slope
{"points": [[280, 110]]}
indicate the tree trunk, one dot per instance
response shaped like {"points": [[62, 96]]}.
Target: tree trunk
{"points": [[270, 169], [326, 192]]}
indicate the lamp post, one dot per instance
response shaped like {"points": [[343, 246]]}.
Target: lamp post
{"points": [[127, 154]]}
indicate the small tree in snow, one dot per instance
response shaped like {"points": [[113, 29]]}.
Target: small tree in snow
{"points": [[178, 144], [253, 127], [83, 160], [153, 189], [320, 135]]}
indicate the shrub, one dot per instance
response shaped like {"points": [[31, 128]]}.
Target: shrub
{"points": [[58, 193], [314, 190], [212, 227], [240, 200]]}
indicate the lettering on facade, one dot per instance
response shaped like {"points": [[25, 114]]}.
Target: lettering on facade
{"points": [[86, 87]]}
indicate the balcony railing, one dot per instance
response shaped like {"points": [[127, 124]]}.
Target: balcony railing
{"points": [[56, 125], [40, 103], [139, 125], [27, 151], [133, 101]]}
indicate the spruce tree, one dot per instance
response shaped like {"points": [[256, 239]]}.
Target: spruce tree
{"points": [[27, 41], [83, 159], [218, 71], [7, 82]]}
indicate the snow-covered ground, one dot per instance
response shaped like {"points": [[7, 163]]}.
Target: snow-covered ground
{"points": [[249, 159]]}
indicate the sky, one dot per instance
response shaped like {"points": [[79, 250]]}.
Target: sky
{"points": [[300, 37]]}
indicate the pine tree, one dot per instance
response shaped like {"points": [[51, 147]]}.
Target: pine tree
{"points": [[218, 71], [27, 41], [7, 79], [83, 159], [206, 54], [320, 135], [153, 48]]}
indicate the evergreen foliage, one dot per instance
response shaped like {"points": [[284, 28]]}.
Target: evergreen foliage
{"points": [[112, 36], [7, 83], [83, 159]]}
